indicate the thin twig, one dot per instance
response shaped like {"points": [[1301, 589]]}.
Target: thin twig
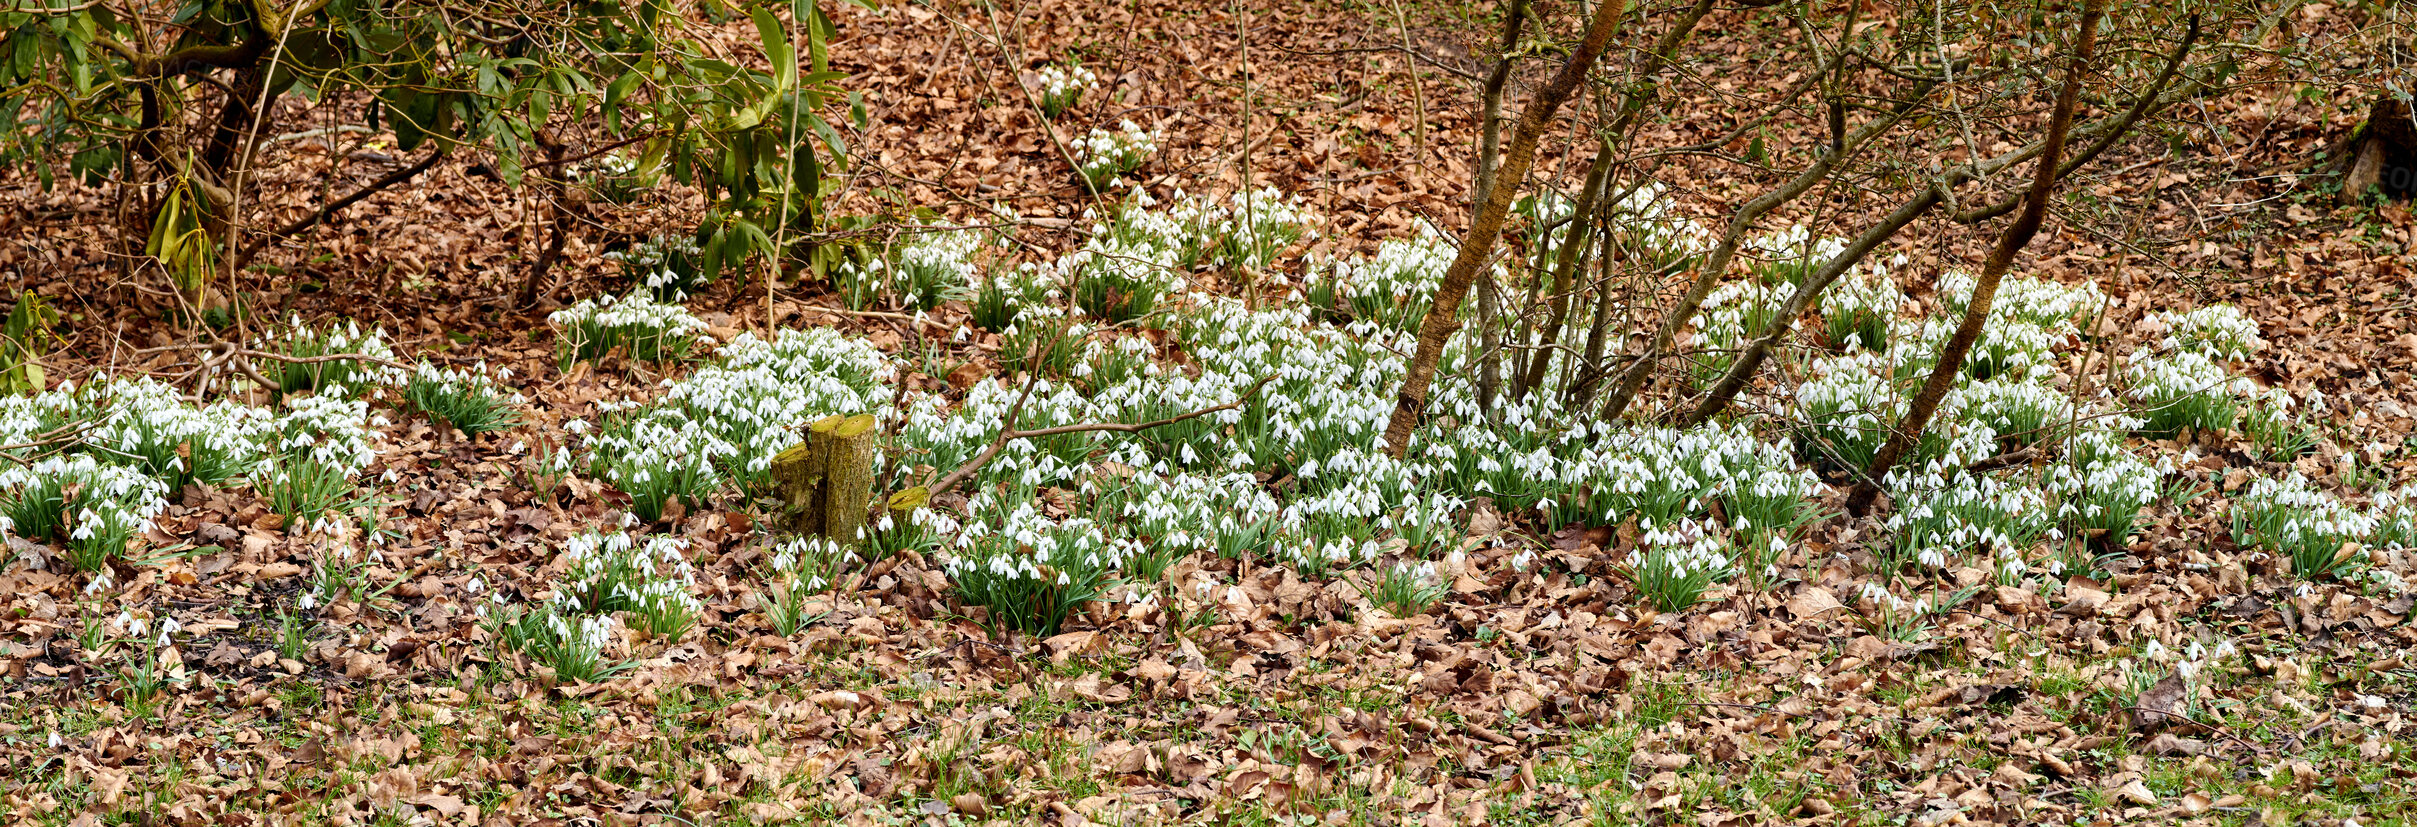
{"points": [[56, 439], [331, 208], [223, 348], [1010, 433]]}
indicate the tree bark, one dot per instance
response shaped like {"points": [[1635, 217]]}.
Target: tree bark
{"points": [[552, 183], [2384, 153], [1477, 248], [1976, 312], [1716, 263], [1576, 241], [1489, 135], [2107, 132], [827, 480]]}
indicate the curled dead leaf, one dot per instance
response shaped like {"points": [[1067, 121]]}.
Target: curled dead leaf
{"points": [[2162, 704], [1064, 647], [1813, 601], [1093, 688], [840, 699], [2082, 601], [2169, 744]]}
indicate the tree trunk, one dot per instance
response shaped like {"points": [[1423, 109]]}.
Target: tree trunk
{"points": [[1489, 137], [1485, 228], [1976, 312], [556, 190], [1569, 258], [827, 480], [2384, 153], [2105, 134]]}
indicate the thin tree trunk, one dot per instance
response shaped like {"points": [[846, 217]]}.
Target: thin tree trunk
{"points": [[1714, 265], [1485, 228], [1489, 135], [1489, 162], [1572, 255], [1579, 390], [1489, 339], [2017, 236], [558, 235], [2106, 133]]}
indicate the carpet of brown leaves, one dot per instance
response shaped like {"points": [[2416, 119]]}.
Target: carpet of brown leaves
{"points": [[1542, 696]]}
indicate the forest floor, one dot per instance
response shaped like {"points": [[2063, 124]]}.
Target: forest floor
{"points": [[1541, 692]]}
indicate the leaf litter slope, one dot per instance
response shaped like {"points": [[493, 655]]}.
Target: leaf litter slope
{"points": [[1537, 695]]}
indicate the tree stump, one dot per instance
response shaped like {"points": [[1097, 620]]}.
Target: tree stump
{"points": [[2383, 153], [827, 480]]}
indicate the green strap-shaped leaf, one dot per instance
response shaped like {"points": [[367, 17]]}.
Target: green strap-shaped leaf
{"points": [[777, 47]]}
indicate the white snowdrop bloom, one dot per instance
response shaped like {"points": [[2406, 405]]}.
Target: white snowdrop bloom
{"points": [[647, 329], [1393, 287], [1733, 314], [2040, 302], [2219, 331], [2183, 388], [1103, 154]]}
